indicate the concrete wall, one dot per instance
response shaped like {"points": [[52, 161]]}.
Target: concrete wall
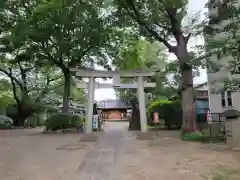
{"points": [[215, 102]]}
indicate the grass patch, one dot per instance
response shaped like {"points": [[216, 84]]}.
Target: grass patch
{"points": [[226, 174], [157, 126], [201, 137]]}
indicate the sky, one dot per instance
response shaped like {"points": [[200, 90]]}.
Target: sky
{"points": [[194, 6]]}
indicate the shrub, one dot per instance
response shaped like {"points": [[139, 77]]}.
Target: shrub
{"points": [[5, 122], [63, 121], [11, 109], [170, 111], [5, 100]]}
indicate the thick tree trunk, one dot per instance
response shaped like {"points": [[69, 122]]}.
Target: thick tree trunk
{"points": [[187, 93], [134, 124], [67, 78], [188, 102], [19, 113]]}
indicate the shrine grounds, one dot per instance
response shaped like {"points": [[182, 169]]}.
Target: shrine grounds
{"points": [[28, 154]]}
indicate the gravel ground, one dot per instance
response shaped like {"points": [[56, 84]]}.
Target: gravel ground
{"points": [[118, 155]]}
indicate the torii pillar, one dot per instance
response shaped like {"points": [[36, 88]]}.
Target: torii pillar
{"points": [[91, 88], [142, 104]]}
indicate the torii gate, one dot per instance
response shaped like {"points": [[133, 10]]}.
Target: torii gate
{"points": [[91, 85]]}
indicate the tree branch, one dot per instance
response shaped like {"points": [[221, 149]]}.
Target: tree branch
{"points": [[73, 63], [46, 89], [23, 76], [9, 74], [188, 37], [14, 89], [171, 13], [48, 55], [136, 16]]}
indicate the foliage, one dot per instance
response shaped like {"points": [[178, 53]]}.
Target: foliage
{"points": [[73, 34], [6, 96], [194, 136], [28, 85], [226, 173], [221, 50], [42, 39], [5, 122], [156, 105], [163, 21], [50, 109], [141, 54], [61, 121], [5, 100], [170, 111], [201, 137], [75, 94]]}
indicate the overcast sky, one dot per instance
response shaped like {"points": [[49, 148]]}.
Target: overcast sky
{"points": [[194, 6]]}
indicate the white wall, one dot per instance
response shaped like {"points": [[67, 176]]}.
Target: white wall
{"points": [[215, 102]]}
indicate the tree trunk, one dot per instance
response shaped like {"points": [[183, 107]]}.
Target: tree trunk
{"points": [[67, 78], [134, 124], [187, 94], [188, 102], [19, 113]]}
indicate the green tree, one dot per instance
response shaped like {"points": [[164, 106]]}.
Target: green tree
{"points": [[6, 96], [222, 47], [140, 54], [69, 34], [162, 20], [29, 87], [76, 94]]}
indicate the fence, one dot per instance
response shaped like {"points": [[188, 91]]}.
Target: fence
{"points": [[217, 126]]}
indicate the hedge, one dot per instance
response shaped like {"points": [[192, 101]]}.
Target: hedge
{"points": [[61, 121], [170, 111]]}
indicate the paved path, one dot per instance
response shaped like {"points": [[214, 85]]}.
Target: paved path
{"points": [[101, 162], [120, 156]]}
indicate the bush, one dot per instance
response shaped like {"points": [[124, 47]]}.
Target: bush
{"points": [[63, 121], [170, 111], [5, 100], [11, 109], [5, 122]]}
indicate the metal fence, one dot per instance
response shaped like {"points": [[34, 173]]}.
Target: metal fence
{"points": [[217, 125]]}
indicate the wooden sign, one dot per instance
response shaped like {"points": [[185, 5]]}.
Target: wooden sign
{"points": [[156, 118]]}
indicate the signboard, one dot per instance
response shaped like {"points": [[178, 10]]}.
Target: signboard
{"points": [[156, 118], [209, 117], [95, 122]]}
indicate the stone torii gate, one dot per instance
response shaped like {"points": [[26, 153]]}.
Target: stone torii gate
{"points": [[116, 75]]}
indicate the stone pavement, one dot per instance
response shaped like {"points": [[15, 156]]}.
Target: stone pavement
{"points": [[101, 162], [118, 155]]}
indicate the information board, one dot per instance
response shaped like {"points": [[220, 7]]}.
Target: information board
{"points": [[95, 122]]}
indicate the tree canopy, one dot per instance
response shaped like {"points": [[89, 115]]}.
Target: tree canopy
{"points": [[162, 21], [222, 44]]}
